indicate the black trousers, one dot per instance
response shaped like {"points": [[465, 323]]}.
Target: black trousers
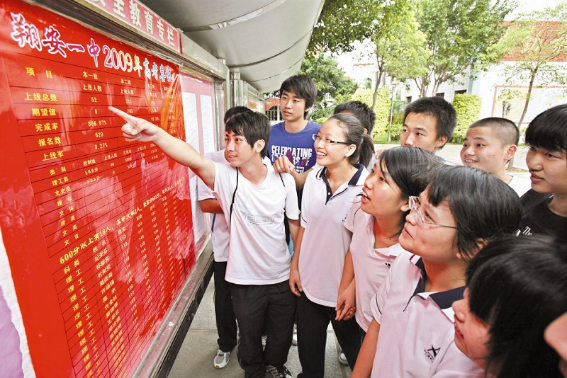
{"points": [[259, 307], [312, 322], [224, 313]]}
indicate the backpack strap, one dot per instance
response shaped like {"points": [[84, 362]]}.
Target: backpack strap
{"points": [[234, 194]]}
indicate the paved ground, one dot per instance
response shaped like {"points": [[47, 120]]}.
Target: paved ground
{"points": [[195, 359]]}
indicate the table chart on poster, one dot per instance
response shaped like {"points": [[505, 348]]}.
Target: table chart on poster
{"points": [[115, 217]]}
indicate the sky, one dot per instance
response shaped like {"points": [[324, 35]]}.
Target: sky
{"points": [[525, 6]]}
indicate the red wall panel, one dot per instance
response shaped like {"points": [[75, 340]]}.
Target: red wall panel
{"points": [[97, 231]]}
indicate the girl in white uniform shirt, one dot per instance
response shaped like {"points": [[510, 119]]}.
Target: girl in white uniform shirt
{"points": [[343, 148], [376, 223], [412, 333]]}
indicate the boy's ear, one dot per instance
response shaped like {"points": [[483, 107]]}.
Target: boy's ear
{"points": [[259, 145], [441, 141], [510, 151], [405, 207]]}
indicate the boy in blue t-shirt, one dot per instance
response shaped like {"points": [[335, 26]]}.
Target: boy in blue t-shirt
{"points": [[290, 147]]}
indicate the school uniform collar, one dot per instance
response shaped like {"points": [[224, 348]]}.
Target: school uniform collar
{"points": [[393, 250], [354, 180], [443, 299]]}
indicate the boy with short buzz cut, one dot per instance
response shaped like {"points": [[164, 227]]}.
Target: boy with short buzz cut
{"points": [[489, 145], [290, 147], [254, 199], [428, 123], [545, 205]]}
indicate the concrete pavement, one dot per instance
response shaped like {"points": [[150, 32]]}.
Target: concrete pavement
{"points": [[195, 358]]}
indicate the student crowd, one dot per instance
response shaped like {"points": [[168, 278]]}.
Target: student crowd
{"points": [[423, 269]]}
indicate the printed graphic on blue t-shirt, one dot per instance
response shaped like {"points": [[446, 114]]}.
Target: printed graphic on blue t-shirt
{"points": [[298, 147]]}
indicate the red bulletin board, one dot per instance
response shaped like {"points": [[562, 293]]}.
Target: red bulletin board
{"points": [[97, 231]]}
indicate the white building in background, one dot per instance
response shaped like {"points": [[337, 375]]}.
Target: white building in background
{"points": [[489, 85]]}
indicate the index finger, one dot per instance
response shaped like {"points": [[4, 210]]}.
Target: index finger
{"points": [[127, 117], [340, 313]]}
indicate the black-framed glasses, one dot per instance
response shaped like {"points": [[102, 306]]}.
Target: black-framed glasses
{"points": [[317, 138], [415, 204]]}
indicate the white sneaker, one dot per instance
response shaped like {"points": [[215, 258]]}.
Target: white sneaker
{"points": [[221, 359], [342, 359]]}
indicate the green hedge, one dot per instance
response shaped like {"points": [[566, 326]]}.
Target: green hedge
{"points": [[382, 108], [468, 110]]}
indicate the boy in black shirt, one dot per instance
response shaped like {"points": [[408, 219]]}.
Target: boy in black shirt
{"points": [[545, 205]]}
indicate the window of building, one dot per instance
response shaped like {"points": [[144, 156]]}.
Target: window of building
{"points": [[274, 113]]}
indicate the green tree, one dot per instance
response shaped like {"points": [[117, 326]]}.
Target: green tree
{"points": [[343, 22], [536, 40], [468, 109], [333, 87], [461, 35], [400, 49]]}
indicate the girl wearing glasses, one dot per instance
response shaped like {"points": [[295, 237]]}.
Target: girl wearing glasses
{"points": [[343, 149], [412, 331], [401, 172]]}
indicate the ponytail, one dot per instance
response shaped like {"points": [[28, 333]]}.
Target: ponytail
{"points": [[366, 150], [355, 134]]}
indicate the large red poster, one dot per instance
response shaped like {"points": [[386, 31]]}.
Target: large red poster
{"points": [[97, 231]]}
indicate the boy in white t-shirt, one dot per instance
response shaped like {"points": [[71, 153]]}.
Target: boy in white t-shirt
{"points": [[224, 313], [489, 145], [254, 199]]}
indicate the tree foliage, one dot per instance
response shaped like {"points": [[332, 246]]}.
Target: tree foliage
{"points": [[468, 109], [535, 41], [400, 49], [333, 87], [460, 34], [342, 22]]}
